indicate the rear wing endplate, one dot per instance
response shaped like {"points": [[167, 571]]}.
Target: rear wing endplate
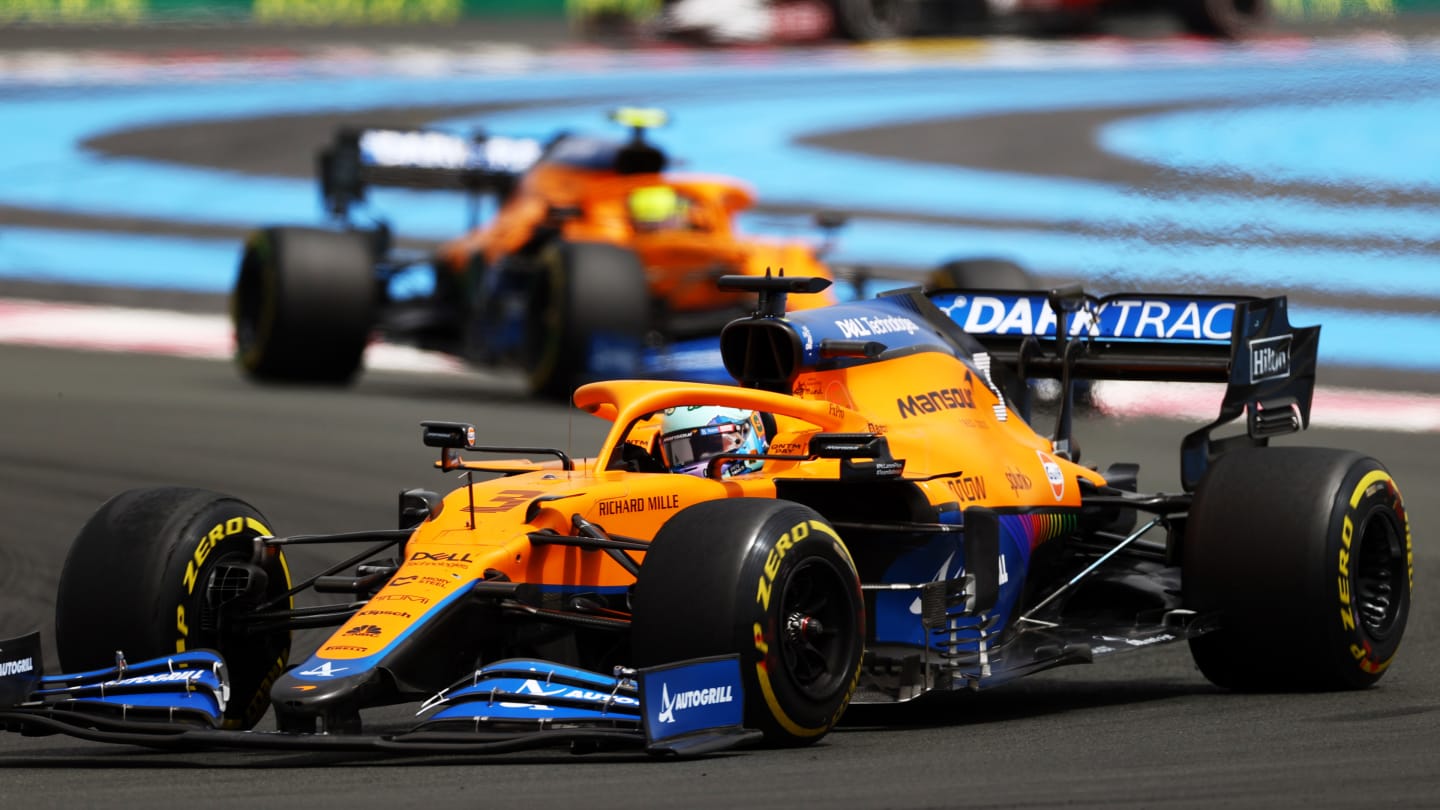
{"points": [[419, 158]]}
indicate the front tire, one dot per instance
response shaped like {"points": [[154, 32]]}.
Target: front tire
{"points": [[772, 581], [141, 578], [304, 305], [1305, 554]]}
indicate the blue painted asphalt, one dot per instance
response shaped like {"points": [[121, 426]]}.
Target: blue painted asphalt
{"points": [[118, 259], [1342, 118], [1372, 142], [1376, 339]]}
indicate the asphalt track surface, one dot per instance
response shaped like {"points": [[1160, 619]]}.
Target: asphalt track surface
{"points": [[1141, 730], [1138, 730]]}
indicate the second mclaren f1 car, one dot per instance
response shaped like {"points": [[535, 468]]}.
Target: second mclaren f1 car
{"points": [[863, 518], [596, 261]]}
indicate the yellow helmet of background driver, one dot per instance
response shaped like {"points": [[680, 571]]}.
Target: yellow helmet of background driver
{"points": [[654, 205]]}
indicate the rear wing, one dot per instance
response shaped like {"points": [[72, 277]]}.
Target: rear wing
{"points": [[420, 158], [1247, 343], [1124, 336]]}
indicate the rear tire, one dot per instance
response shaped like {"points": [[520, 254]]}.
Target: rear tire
{"points": [[476, 343], [1305, 554], [1226, 19], [304, 305], [588, 317], [979, 274], [1000, 274], [769, 580], [864, 20], [137, 580]]}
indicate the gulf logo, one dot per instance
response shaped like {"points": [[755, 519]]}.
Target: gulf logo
{"points": [[1053, 474]]}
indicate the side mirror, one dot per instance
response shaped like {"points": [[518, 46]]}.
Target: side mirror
{"points": [[848, 447], [458, 435]]}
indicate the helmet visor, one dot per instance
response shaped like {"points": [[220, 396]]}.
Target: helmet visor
{"points": [[686, 449]]}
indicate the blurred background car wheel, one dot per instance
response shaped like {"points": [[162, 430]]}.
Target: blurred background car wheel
{"points": [[1227, 19], [304, 305], [864, 20], [979, 274], [588, 316]]}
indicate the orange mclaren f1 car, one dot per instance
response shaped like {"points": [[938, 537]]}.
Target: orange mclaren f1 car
{"points": [[596, 259], [863, 518]]}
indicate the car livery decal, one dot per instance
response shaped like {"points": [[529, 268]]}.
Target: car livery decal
{"points": [[1054, 474], [317, 667], [1037, 527], [1167, 318], [692, 697]]}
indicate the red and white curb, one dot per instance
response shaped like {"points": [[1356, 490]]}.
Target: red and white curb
{"points": [[150, 331]]}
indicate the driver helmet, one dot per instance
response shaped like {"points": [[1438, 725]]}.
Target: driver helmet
{"points": [[657, 207], [692, 435]]}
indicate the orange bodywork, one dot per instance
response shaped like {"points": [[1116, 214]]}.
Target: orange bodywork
{"points": [[681, 263], [967, 455]]}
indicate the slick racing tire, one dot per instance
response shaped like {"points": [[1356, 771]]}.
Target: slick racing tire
{"points": [[476, 342], [771, 581], [979, 274], [588, 316], [1305, 555], [304, 305], [1002, 274], [1226, 19], [156, 571], [864, 20]]}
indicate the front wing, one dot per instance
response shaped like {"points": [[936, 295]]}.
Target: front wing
{"points": [[686, 708]]}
